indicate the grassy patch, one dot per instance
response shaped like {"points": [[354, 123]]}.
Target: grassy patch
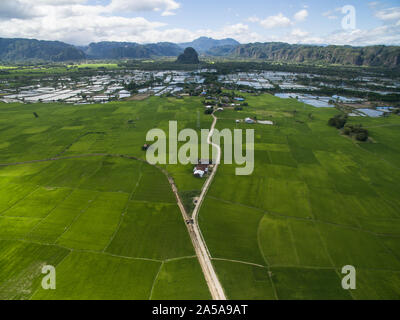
{"points": [[181, 280]]}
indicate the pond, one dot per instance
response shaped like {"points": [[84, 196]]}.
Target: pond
{"points": [[371, 113], [322, 102]]}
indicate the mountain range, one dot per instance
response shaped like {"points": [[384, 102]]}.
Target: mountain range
{"points": [[27, 50], [23, 50], [204, 44], [372, 56]]}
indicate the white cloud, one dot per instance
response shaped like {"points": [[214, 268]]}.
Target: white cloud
{"points": [[77, 22], [299, 33], [330, 15], [389, 35], [78, 30], [167, 6], [389, 14], [280, 20], [276, 21], [386, 34], [301, 15], [253, 19], [240, 32], [373, 4]]}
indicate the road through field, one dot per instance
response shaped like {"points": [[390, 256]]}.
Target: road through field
{"points": [[202, 251], [196, 236], [200, 246]]}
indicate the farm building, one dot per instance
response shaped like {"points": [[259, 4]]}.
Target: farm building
{"points": [[267, 122], [200, 170], [124, 94], [205, 161]]}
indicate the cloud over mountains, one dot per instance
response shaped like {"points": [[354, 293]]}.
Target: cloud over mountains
{"points": [[145, 21]]}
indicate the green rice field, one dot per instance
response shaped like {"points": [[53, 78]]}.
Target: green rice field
{"points": [[317, 201], [111, 226]]}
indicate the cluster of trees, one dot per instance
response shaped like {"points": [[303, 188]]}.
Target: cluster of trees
{"points": [[356, 131], [338, 121], [209, 110]]}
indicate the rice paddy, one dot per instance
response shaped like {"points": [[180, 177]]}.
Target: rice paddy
{"points": [[317, 201]]}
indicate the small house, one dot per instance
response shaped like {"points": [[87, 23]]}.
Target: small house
{"points": [[200, 170], [266, 122], [205, 161], [124, 94]]}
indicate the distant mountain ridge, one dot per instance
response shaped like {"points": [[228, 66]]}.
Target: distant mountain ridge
{"points": [[23, 50], [120, 50], [387, 56], [27, 50], [203, 44], [130, 50]]}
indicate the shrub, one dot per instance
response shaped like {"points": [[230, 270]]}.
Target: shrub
{"points": [[338, 121], [362, 136], [357, 131]]}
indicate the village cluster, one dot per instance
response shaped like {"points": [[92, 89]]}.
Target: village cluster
{"points": [[111, 85]]}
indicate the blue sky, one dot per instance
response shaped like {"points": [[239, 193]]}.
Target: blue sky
{"points": [[144, 21]]}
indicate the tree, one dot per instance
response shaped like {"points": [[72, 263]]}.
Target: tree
{"points": [[362, 136], [209, 111], [356, 131], [338, 121]]}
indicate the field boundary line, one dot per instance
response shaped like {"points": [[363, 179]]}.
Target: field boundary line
{"points": [[180, 258], [324, 244], [58, 264], [389, 250], [188, 257], [77, 217], [265, 258], [241, 262], [122, 217], [275, 214], [22, 199], [155, 280], [86, 208], [50, 212], [293, 242]]}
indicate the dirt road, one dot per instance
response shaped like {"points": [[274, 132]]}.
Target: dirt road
{"points": [[196, 236], [203, 253]]}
